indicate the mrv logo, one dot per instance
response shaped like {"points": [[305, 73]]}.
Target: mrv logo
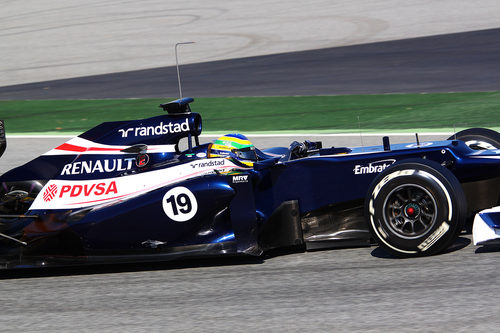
{"points": [[83, 167], [240, 179], [156, 130], [373, 167]]}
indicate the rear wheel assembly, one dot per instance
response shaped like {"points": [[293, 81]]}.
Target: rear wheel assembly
{"points": [[17, 197]]}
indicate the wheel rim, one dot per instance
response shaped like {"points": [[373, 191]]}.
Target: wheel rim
{"points": [[410, 211]]}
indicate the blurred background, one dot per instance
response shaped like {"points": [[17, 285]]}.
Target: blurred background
{"points": [[124, 49]]}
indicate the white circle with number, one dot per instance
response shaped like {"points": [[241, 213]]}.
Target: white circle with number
{"points": [[180, 204]]}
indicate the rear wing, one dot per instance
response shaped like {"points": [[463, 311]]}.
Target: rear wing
{"points": [[3, 141]]}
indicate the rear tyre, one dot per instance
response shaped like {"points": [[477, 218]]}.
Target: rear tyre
{"points": [[478, 138], [415, 208], [17, 197]]}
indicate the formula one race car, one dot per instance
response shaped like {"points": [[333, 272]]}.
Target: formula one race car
{"points": [[125, 191]]}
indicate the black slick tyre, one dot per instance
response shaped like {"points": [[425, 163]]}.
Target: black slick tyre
{"points": [[478, 138], [415, 208]]}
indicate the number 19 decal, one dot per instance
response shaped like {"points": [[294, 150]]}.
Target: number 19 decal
{"points": [[180, 204]]}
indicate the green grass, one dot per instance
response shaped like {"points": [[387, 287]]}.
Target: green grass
{"points": [[391, 112]]}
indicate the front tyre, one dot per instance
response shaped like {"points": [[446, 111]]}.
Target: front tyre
{"points": [[478, 138], [415, 208]]}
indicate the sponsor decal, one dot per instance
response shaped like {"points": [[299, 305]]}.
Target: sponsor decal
{"points": [[50, 192], [240, 179], [212, 163], [373, 167], [180, 204], [201, 155], [70, 194], [423, 144], [159, 129], [86, 190], [88, 167], [141, 160]]}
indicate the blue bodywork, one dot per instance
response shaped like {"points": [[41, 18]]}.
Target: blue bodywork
{"points": [[285, 199], [492, 219]]}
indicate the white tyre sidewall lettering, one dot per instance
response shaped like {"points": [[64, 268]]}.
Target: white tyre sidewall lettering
{"points": [[386, 179], [181, 215]]}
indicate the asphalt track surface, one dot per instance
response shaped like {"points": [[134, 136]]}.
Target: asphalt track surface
{"points": [[456, 62], [44, 40], [341, 290]]}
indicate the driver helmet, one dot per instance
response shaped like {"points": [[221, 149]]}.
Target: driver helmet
{"points": [[236, 146]]}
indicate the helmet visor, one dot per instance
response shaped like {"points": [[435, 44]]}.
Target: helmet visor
{"points": [[247, 153]]}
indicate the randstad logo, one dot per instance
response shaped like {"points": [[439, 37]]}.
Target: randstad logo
{"points": [[160, 129], [212, 163]]}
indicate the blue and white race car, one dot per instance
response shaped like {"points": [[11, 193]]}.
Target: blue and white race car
{"points": [[126, 191]]}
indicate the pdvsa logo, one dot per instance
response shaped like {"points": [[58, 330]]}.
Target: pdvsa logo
{"points": [[50, 192], [373, 167], [240, 179], [87, 190], [160, 129]]}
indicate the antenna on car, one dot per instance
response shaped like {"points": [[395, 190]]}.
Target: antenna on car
{"points": [[360, 135], [177, 66]]}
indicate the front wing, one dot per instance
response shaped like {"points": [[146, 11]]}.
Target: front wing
{"points": [[486, 228]]}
